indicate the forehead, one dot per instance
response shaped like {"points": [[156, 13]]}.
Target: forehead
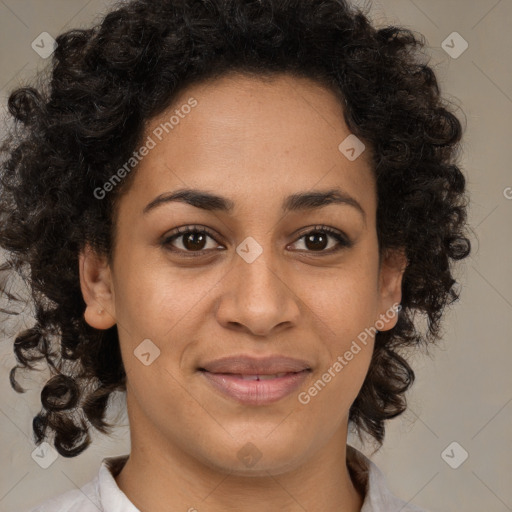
{"points": [[247, 136]]}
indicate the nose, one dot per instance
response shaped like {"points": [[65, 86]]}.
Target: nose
{"points": [[258, 297]]}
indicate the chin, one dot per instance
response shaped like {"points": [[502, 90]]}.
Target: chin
{"points": [[259, 457]]}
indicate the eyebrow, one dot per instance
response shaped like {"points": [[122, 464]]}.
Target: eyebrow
{"points": [[295, 202]]}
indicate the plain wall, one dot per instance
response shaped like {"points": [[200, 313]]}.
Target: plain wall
{"points": [[463, 390]]}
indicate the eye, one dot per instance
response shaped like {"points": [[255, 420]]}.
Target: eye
{"points": [[317, 240], [193, 240]]}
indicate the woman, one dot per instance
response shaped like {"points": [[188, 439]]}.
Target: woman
{"points": [[233, 211]]}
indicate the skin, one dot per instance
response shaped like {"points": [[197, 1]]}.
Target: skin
{"points": [[254, 142]]}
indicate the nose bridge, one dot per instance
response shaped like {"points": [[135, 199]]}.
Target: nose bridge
{"points": [[256, 271], [258, 296]]}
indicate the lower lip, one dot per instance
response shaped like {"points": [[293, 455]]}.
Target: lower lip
{"points": [[256, 392]]}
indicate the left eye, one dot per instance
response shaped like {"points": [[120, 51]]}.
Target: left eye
{"points": [[316, 240], [193, 240]]}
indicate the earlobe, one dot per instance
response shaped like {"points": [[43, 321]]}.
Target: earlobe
{"points": [[99, 319], [393, 265], [97, 289]]}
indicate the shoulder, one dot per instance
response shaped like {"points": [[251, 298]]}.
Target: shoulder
{"points": [[100, 493], [85, 499], [378, 496]]}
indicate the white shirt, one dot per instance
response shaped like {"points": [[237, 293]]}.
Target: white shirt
{"points": [[102, 494]]}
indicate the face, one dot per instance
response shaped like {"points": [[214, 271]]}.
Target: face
{"points": [[271, 273]]}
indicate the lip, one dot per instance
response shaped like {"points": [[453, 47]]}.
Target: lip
{"points": [[235, 377], [248, 365], [256, 392]]}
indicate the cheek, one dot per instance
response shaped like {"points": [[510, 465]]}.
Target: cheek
{"points": [[340, 375], [345, 307], [152, 297], [344, 302], [156, 393]]}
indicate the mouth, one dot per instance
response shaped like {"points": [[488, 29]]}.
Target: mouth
{"points": [[256, 377], [246, 365], [254, 380], [256, 389]]}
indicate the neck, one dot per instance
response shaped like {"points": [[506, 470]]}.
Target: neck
{"points": [[159, 477]]}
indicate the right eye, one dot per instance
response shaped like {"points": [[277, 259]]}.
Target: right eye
{"points": [[192, 240]]}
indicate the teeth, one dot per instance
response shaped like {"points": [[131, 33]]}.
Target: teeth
{"points": [[263, 377]]}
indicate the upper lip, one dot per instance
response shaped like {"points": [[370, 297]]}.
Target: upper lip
{"points": [[248, 365]]}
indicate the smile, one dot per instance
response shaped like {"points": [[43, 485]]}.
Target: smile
{"points": [[260, 389]]}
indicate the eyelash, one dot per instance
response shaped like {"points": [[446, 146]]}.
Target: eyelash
{"points": [[343, 242]]}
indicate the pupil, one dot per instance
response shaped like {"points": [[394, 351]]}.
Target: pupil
{"points": [[312, 237], [190, 238]]}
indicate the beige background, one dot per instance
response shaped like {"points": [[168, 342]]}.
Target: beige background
{"points": [[463, 391]]}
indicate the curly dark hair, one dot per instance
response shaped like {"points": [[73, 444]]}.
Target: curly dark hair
{"points": [[74, 129]]}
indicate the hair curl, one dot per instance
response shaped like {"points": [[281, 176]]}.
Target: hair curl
{"points": [[75, 129]]}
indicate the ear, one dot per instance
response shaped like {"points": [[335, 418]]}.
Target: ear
{"points": [[393, 265], [97, 289]]}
